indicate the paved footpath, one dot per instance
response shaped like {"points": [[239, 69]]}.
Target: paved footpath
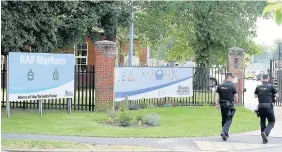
{"points": [[248, 143], [244, 142]]}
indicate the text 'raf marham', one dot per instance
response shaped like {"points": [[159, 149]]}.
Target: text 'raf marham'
{"points": [[30, 59]]}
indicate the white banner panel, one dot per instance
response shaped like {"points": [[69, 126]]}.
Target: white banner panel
{"points": [[152, 82], [34, 76]]}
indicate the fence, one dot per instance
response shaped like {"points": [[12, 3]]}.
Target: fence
{"points": [[205, 81], [275, 78], [84, 97]]}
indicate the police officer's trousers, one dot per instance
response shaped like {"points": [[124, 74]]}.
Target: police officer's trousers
{"points": [[266, 113], [226, 119]]}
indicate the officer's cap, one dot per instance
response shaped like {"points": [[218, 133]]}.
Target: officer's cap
{"points": [[265, 76], [229, 74]]}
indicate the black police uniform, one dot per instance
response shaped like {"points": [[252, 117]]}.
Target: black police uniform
{"points": [[226, 93], [265, 93]]}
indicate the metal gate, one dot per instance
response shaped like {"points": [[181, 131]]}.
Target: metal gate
{"points": [[275, 73]]}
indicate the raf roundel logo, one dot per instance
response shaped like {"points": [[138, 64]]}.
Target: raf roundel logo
{"points": [[159, 75], [30, 75], [55, 75]]}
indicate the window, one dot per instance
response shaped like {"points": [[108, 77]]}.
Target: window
{"points": [[81, 57]]}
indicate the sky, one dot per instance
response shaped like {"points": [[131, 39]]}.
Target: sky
{"points": [[267, 31]]}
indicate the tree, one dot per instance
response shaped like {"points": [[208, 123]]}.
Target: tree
{"points": [[47, 25], [276, 8], [275, 49], [208, 27]]}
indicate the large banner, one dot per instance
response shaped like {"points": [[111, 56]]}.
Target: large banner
{"points": [[33, 76], [150, 82]]}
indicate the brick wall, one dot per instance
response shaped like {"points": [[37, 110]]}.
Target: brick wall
{"points": [[91, 51], [141, 51], [143, 56]]}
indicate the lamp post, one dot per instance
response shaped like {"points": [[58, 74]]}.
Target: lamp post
{"points": [[131, 31]]}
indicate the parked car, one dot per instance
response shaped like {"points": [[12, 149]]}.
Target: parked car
{"points": [[213, 82], [251, 75]]}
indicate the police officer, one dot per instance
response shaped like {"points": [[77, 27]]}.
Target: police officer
{"points": [[266, 93], [226, 96]]}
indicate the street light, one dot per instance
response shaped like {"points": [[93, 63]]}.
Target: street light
{"points": [[130, 52]]}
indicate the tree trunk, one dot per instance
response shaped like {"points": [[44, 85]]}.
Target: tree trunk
{"points": [[201, 79], [202, 71]]}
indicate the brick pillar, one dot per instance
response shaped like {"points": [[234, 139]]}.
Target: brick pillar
{"points": [[105, 53], [236, 66]]}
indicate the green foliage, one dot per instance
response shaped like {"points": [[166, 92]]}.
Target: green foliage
{"points": [[145, 104], [134, 107], [152, 119], [111, 115], [276, 8], [203, 30], [139, 118], [268, 52], [176, 104], [206, 104], [167, 105], [125, 118], [47, 25], [123, 105], [275, 49]]}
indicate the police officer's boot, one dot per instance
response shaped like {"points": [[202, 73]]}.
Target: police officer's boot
{"points": [[224, 136], [264, 138]]}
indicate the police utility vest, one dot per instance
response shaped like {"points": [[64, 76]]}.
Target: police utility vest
{"points": [[264, 93], [226, 96]]}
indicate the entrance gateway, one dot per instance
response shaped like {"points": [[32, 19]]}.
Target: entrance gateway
{"points": [[236, 66], [275, 73]]}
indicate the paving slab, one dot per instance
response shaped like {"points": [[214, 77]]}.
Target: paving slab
{"points": [[230, 146]]}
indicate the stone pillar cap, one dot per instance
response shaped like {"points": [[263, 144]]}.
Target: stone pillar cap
{"points": [[107, 47], [236, 50], [105, 42]]}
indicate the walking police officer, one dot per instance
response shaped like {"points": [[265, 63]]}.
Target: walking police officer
{"points": [[226, 96], [266, 94]]}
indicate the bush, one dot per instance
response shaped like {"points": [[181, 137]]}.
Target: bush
{"points": [[123, 106], [125, 118], [116, 107], [145, 104], [139, 120], [112, 115], [205, 104], [176, 104], [152, 119], [134, 107], [167, 105]]}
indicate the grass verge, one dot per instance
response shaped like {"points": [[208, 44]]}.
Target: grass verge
{"points": [[62, 145], [34, 145], [175, 122]]}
